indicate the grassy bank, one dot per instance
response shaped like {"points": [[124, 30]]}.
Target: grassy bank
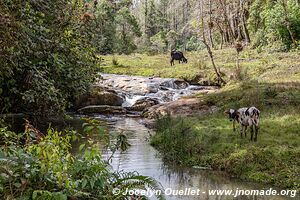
{"points": [[209, 141], [269, 81]]}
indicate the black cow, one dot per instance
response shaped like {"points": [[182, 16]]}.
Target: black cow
{"points": [[177, 55]]}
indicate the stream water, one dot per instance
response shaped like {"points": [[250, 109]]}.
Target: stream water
{"points": [[144, 159], [133, 88]]}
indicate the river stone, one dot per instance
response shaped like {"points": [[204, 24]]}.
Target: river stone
{"points": [[102, 109], [143, 103], [151, 88], [99, 96], [174, 84], [181, 107], [149, 123]]}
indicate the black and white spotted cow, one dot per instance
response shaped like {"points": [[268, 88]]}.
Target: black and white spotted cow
{"points": [[245, 117]]}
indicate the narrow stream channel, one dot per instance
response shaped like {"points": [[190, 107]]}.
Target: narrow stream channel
{"points": [[144, 159]]}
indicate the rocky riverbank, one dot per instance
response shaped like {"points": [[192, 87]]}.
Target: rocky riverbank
{"points": [[146, 96]]}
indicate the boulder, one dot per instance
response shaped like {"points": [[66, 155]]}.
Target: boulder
{"points": [[181, 84], [143, 103], [181, 107], [174, 84], [102, 109], [149, 123], [99, 96], [151, 88]]}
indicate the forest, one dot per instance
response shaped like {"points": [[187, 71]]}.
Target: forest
{"points": [[49, 49], [54, 53]]}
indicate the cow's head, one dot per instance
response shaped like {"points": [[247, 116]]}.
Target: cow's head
{"points": [[184, 60], [232, 114]]}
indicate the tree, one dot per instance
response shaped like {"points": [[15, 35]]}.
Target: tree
{"points": [[47, 57], [104, 27], [127, 29], [275, 23]]}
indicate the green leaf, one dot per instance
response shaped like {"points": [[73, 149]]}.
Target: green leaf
{"points": [[81, 147], [17, 185]]}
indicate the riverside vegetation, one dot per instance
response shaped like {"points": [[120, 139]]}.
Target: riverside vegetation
{"points": [[51, 52], [34, 166], [269, 81]]}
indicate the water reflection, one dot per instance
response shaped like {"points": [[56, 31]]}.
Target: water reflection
{"points": [[143, 158]]}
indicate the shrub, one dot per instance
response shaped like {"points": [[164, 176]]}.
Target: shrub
{"points": [[47, 58], [115, 62], [241, 73], [46, 169]]}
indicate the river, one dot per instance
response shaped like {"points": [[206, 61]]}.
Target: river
{"points": [[144, 159]]}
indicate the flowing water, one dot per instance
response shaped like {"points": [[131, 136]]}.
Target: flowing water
{"points": [[133, 88], [144, 159]]}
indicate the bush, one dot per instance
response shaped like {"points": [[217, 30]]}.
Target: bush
{"points": [[47, 58], [46, 169], [115, 62], [241, 73], [275, 24]]}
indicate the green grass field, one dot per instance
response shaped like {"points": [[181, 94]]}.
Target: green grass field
{"points": [[269, 81], [267, 67], [209, 141]]}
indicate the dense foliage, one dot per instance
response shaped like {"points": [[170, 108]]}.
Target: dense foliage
{"points": [[35, 167], [48, 50], [178, 24], [275, 24], [46, 57], [113, 25]]}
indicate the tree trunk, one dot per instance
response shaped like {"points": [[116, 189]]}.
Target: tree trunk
{"points": [[227, 22], [222, 40], [245, 29], [288, 23], [221, 34], [210, 26], [220, 80]]}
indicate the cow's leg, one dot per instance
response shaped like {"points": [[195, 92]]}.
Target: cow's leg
{"points": [[242, 129], [245, 132], [233, 125], [172, 61], [179, 61], [251, 132], [256, 132]]}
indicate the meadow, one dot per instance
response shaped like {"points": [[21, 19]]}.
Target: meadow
{"points": [[265, 66], [269, 81]]}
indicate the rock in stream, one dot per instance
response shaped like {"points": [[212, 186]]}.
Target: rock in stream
{"points": [[122, 93]]}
